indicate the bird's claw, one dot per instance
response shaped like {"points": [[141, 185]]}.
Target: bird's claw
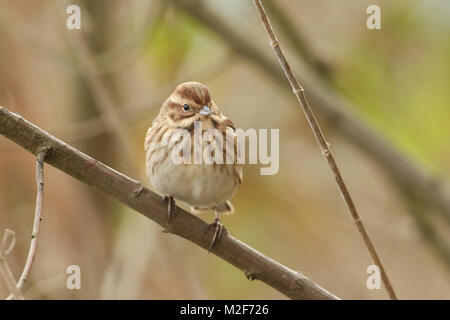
{"points": [[218, 227], [171, 207]]}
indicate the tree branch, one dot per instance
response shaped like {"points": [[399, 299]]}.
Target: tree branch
{"points": [[301, 97], [132, 194]]}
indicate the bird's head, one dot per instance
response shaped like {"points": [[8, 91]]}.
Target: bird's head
{"points": [[190, 102]]}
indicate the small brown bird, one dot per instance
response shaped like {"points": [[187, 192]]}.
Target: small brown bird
{"points": [[202, 185]]}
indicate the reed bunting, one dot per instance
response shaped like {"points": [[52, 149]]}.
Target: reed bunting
{"points": [[200, 184]]}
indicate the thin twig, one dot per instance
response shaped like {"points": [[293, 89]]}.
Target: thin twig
{"points": [[131, 193], [37, 216], [8, 277], [5, 271], [301, 97]]}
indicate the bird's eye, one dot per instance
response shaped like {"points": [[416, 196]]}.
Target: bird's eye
{"points": [[186, 107]]}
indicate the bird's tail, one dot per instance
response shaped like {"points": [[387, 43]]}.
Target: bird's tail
{"points": [[224, 208]]}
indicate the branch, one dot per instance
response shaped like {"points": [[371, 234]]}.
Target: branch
{"points": [[37, 215], [402, 170], [301, 97], [37, 221], [132, 194]]}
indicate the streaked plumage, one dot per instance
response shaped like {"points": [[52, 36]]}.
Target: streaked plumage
{"points": [[202, 186]]}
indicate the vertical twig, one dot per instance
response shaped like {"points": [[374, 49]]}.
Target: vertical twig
{"points": [[37, 217], [5, 271], [300, 94]]}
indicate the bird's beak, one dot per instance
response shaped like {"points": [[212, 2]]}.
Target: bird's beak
{"points": [[206, 111]]}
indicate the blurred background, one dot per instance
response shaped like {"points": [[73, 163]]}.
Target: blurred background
{"points": [[99, 89]]}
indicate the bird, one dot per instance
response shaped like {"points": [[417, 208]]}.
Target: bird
{"points": [[202, 185]]}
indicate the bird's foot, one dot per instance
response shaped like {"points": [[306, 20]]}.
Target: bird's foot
{"points": [[218, 228], [171, 207]]}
